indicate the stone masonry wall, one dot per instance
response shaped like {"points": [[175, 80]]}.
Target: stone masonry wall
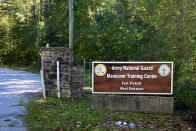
{"points": [[71, 76]]}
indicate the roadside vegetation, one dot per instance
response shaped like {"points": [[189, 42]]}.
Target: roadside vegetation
{"points": [[71, 114], [32, 69], [116, 30]]}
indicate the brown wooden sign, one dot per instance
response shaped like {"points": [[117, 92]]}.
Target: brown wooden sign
{"points": [[132, 78]]}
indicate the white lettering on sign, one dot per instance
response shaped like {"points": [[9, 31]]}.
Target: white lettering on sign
{"points": [[118, 68], [135, 83], [115, 76], [147, 68], [125, 83], [130, 88], [135, 76], [124, 88], [132, 76], [150, 76], [127, 68], [132, 68]]}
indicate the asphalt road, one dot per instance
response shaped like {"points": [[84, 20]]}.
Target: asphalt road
{"points": [[15, 86]]}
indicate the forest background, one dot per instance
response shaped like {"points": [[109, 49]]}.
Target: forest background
{"points": [[106, 30]]}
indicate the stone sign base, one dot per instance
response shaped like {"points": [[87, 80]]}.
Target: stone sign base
{"points": [[133, 103]]}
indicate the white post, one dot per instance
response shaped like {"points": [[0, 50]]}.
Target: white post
{"points": [[58, 80], [84, 70], [43, 85]]}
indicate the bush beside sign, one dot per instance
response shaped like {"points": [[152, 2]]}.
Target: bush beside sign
{"points": [[132, 78]]}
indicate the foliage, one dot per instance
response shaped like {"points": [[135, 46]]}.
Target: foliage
{"points": [[117, 30], [18, 39]]}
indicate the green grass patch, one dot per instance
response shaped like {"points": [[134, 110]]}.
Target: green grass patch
{"points": [[87, 88], [76, 114], [88, 79], [21, 67]]}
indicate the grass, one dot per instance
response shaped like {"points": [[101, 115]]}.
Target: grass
{"points": [[76, 114], [21, 67], [88, 79]]}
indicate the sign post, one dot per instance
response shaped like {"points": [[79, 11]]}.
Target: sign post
{"points": [[130, 78]]}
